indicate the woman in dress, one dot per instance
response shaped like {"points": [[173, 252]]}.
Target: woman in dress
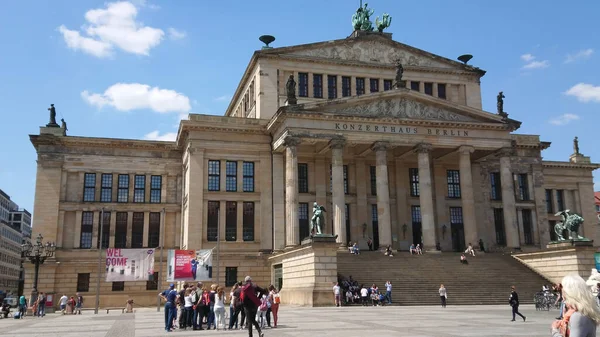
{"points": [[582, 315], [443, 295]]}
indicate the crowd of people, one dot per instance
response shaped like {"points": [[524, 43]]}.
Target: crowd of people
{"points": [[364, 295]]}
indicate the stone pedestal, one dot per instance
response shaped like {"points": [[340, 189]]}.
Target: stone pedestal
{"points": [[52, 130], [309, 272], [570, 243]]}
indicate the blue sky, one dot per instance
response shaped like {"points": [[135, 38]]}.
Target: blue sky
{"points": [[132, 69]]}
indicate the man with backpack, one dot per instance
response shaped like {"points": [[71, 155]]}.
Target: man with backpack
{"points": [[251, 302]]}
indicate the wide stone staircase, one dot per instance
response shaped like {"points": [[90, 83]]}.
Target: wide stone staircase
{"points": [[416, 279]]}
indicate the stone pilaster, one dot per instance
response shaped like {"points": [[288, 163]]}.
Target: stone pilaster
{"points": [[194, 224], [279, 220], [146, 229], [508, 200], [292, 229], [468, 201], [383, 194], [337, 195], [426, 196], [264, 186]]}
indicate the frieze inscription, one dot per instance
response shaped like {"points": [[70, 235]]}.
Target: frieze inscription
{"points": [[405, 130]]}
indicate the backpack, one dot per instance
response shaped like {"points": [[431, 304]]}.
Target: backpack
{"points": [[276, 298]]}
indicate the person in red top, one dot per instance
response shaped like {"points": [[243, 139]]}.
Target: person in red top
{"points": [[250, 300]]}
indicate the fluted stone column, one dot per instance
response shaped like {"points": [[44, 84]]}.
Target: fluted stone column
{"points": [[508, 200], [292, 228], [468, 202], [337, 195], [383, 194], [426, 196]]}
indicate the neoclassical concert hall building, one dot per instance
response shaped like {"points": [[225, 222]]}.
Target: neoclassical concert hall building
{"points": [[420, 162]]}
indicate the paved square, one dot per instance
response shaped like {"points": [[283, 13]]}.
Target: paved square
{"points": [[314, 322]]}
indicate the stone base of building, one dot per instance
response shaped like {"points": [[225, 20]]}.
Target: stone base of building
{"points": [[309, 272]]}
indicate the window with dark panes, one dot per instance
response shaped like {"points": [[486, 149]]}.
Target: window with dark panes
{"points": [[456, 215], [347, 212], [248, 173], [87, 225], [523, 186], [123, 192], [83, 282], [230, 276], [499, 226], [331, 86], [302, 84], [121, 230], [231, 176], [496, 192], [118, 286], [345, 168], [415, 85], [155, 189], [214, 175], [560, 201], [137, 230], [527, 226], [303, 220], [212, 223], [413, 175], [453, 183], [428, 88], [152, 283], [248, 222], [105, 234], [387, 85], [89, 187], [139, 188], [231, 221], [374, 84], [302, 178], [317, 86], [106, 187], [154, 230], [442, 90], [373, 172], [360, 86], [549, 202], [346, 86], [375, 226]]}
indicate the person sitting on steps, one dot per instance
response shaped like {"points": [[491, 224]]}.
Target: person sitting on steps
{"points": [[419, 251], [388, 251], [412, 249], [463, 259], [470, 250]]}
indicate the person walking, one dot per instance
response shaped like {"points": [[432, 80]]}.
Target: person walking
{"points": [[388, 291], [22, 306], [251, 302], [41, 305], [169, 296], [582, 316], [443, 295], [560, 300], [337, 295], [79, 303], [514, 303]]}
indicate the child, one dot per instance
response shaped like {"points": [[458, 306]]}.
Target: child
{"points": [[262, 311]]}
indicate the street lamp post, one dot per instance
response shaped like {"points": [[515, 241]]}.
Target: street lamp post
{"points": [[37, 253]]}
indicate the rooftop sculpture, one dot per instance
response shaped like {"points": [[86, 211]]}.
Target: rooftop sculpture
{"points": [[361, 20]]}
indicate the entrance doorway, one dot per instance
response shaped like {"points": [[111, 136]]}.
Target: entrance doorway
{"points": [[375, 222], [457, 229]]}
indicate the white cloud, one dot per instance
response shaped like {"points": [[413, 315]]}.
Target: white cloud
{"points": [[175, 34], [527, 57], [537, 65], [133, 96], [585, 92], [113, 27], [223, 98], [155, 135], [582, 54], [564, 119]]}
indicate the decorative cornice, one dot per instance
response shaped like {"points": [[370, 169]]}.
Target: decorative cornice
{"points": [[560, 164], [291, 141], [337, 143], [423, 148], [380, 146], [87, 142]]}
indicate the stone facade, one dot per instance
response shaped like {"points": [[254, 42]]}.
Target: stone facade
{"points": [[557, 263], [422, 164]]}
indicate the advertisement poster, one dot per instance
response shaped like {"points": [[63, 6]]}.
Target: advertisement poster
{"points": [[189, 265], [129, 264]]}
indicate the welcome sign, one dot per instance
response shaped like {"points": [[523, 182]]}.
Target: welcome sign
{"points": [[126, 265]]}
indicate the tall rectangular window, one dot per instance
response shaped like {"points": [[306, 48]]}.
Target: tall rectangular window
{"points": [[442, 90], [154, 230], [230, 276], [302, 178], [415, 85], [155, 189], [214, 175], [549, 202], [373, 172], [231, 221], [123, 192], [248, 222], [248, 176], [527, 226], [137, 230], [387, 85], [152, 283], [360, 86], [303, 220], [139, 188], [331, 86], [231, 176], [106, 187], [212, 223], [453, 183], [346, 86], [523, 186], [83, 282], [413, 174], [348, 232], [302, 84], [105, 233], [87, 226], [121, 230], [553, 236], [499, 226], [374, 84], [317, 86], [560, 200], [496, 186], [89, 187], [456, 216], [428, 88], [118, 286]]}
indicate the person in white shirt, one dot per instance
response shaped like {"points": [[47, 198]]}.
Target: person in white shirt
{"points": [[336, 294], [388, 291], [470, 250], [219, 308], [443, 295], [364, 295], [188, 307], [349, 297], [419, 250], [63, 303]]}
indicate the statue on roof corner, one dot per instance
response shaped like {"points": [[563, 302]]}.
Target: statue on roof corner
{"points": [[385, 22], [290, 88], [500, 105], [361, 20], [52, 117], [399, 82], [576, 145]]}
